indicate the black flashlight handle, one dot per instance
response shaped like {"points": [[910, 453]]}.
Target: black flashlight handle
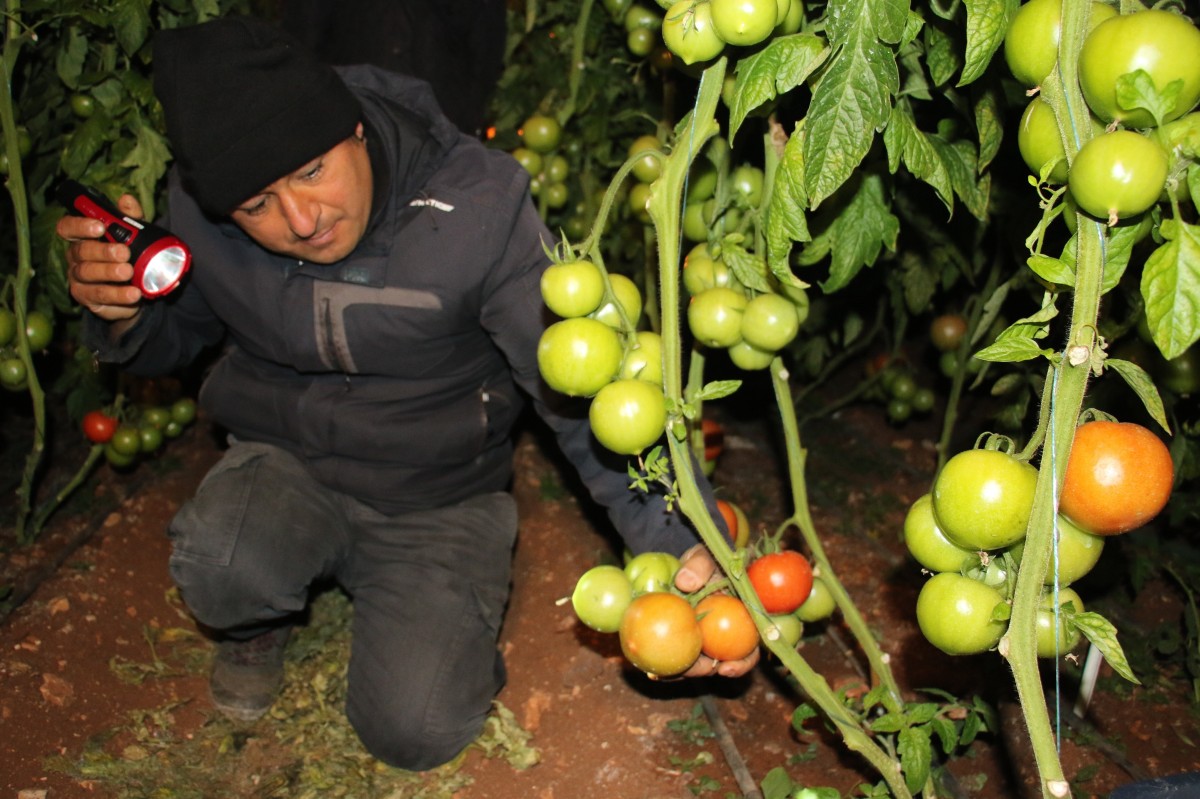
{"points": [[83, 201]]}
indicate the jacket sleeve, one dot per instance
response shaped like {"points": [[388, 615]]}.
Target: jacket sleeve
{"points": [[515, 316]]}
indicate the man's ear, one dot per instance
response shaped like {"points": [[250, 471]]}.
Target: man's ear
{"points": [[359, 133]]}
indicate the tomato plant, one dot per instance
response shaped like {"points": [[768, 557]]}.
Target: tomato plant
{"points": [[601, 596], [1119, 477], [727, 631], [98, 426], [660, 635], [782, 580], [982, 499], [955, 614]]}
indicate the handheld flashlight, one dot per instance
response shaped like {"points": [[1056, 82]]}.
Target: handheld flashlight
{"points": [[159, 258]]}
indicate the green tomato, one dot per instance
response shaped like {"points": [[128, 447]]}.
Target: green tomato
{"points": [[530, 160], [819, 605], [1078, 553], [749, 358], [1162, 43], [652, 571], [13, 374], [789, 627], [792, 20], [116, 458], [183, 411], [627, 416], [702, 182], [627, 296], [126, 440], [1039, 140], [715, 316], [928, 545], [982, 499], [770, 322], [1031, 42], [39, 330], [695, 227], [648, 152], [641, 41], [689, 33], [644, 359], [1055, 637], [156, 416], [701, 272], [151, 438], [172, 429], [82, 105], [8, 327], [601, 596], [579, 356], [541, 133], [955, 614], [744, 22], [1117, 175], [639, 17], [556, 169], [573, 288], [617, 9], [747, 184], [639, 202]]}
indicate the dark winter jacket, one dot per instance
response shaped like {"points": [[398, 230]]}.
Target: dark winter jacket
{"points": [[394, 373]]}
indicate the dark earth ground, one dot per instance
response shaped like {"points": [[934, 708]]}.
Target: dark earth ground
{"points": [[102, 686]]}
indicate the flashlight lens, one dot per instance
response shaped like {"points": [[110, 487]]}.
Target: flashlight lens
{"points": [[164, 270]]}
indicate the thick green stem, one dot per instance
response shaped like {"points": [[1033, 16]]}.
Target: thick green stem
{"points": [[15, 183], [1068, 378]]}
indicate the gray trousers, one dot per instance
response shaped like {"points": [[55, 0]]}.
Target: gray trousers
{"points": [[429, 590]]}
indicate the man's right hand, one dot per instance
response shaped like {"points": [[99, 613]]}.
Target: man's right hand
{"points": [[98, 271]]}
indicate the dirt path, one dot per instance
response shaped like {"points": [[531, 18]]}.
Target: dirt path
{"points": [[102, 674]]}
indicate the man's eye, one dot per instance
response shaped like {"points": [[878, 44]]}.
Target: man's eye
{"points": [[256, 209], [314, 172]]}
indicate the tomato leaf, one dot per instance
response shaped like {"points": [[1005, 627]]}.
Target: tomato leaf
{"points": [[1137, 90], [1052, 270], [989, 121], [718, 389], [1142, 385], [777, 784], [853, 98], [987, 22], [1171, 288], [778, 68], [941, 55], [148, 161], [70, 59], [786, 222], [908, 144], [801, 714], [747, 267], [856, 236], [1103, 636], [962, 163], [916, 756], [131, 24], [946, 732]]}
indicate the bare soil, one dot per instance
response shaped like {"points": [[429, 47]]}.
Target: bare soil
{"points": [[102, 673]]}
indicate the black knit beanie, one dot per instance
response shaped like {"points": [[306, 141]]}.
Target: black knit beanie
{"points": [[245, 104]]}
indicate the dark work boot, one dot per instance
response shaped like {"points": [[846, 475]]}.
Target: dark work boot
{"points": [[246, 675]]}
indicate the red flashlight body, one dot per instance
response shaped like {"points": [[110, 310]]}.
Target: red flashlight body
{"points": [[160, 259]]}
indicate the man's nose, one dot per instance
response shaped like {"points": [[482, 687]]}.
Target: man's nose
{"points": [[300, 213]]}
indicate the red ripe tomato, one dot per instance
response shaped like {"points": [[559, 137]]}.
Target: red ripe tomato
{"points": [[1118, 478], [99, 427], [782, 580], [660, 635], [726, 629]]}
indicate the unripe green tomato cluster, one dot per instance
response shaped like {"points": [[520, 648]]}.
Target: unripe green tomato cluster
{"points": [[541, 135], [723, 314], [964, 531], [1117, 173], [39, 332], [902, 394], [596, 351], [699, 31], [144, 432]]}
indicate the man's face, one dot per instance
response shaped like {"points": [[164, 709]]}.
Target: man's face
{"points": [[317, 213]]}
